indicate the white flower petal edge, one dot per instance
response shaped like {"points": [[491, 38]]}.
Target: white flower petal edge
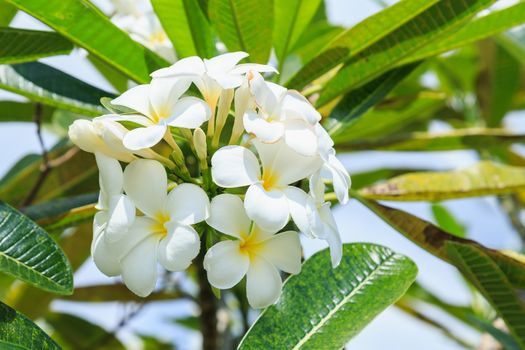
{"points": [[258, 253], [235, 166]]}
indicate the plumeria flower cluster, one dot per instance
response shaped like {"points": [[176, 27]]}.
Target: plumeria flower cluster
{"points": [[263, 161]]}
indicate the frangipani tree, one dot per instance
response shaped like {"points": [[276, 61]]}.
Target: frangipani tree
{"points": [[218, 149]]}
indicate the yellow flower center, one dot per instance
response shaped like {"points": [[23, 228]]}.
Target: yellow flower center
{"points": [[269, 180], [159, 226], [250, 244]]}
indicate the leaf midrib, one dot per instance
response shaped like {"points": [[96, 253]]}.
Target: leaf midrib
{"points": [[237, 27], [339, 305]]}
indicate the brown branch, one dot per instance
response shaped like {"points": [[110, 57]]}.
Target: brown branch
{"points": [[45, 168]]}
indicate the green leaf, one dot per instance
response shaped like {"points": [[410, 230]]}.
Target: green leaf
{"points": [[433, 239], [28, 253], [86, 26], [22, 45], [77, 333], [12, 111], [505, 339], [358, 101], [482, 179], [18, 332], [356, 39], [498, 82], [479, 269], [7, 13], [381, 120], [186, 26], [478, 29], [59, 207], [291, 19], [42, 83], [329, 306], [475, 138], [244, 25], [437, 21], [447, 221], [117, 292], [118, 80]]}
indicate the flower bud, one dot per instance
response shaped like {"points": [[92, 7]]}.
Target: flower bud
{"points": [[199, 141]]}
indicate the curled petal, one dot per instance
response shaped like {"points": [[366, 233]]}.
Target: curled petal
{"points": [[188, 204], [141, 138], [263, 283], [234, 166], [228, 216], [146, 183], [179, 248], [225, 264], [264, 130], [269, 209], [139, 267]]}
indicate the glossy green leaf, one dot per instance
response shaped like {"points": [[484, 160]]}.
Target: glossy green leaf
{"points": [[358, 101], [447, 221], [356, 39], [7, 13], [378, 121], [17, 332], [291, 19], [186, 26], [479, 269], [28, 253], [476, 138], [437, 21], [482, 179], [478, 29], [433, 239], [244, 25], [45, 84], [116, 78], [86, 26], [329, 306], [76, 333], [367, 178], [22, 45], [59, 207], [12, 111], [117, 292]]}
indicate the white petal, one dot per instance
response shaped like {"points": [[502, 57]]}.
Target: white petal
{"points": [[264, 96], [296, 106], [301, 208], [243, 99], [179, 248], [224, 62], [136, 98], [225, 264], [246, 67], [104, 258], [121, 217], [85, 136], [265, 131], [110, 179], [340, 178], [165, 92], [284, 251], [135, 118], [300, 136], [227, 215], [139, 267], [269, 209], [187, 66], [189, 112], [332, 235], [317, 187], [146, 183], [263, 283], [99, 224], [188, 204], [141, 228], [286, 164], [141, 138], [225, 80], [234, 166], [324, 141]]}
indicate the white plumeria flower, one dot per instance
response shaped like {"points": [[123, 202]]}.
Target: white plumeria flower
{"points": [[282, 114], [266, 198], [213, 75], [163, 234], [161, 106], [101, 136], [256, 253], [313, 216], [115, 216], [333, 169]]}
